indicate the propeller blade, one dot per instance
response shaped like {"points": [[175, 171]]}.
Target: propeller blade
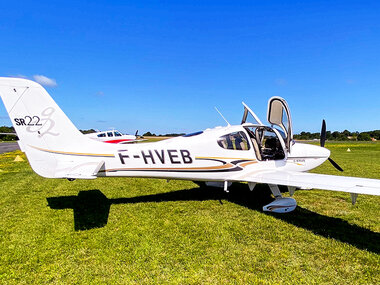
{"points": [[323, 134], [335, 164], [322, 142], [136, 133]]}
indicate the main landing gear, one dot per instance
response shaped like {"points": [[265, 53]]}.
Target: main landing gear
{"points": [[280, 204]]}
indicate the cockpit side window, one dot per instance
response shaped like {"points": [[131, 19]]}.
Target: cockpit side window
{"points": [[117, 134], [266, 143], [234, 141], [110, 134]]}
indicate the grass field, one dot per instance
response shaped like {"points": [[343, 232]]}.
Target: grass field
{"points": [[146, 231]]}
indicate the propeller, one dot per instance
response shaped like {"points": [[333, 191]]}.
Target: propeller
{"points": [[136, 133], [323, 134], [323, 140]]}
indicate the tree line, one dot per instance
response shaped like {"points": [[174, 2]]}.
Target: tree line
{"points": [[149, 134], [341, 136], [4, 137], [332, 136]]}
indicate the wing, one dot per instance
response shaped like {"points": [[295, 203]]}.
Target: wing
{"points": [[319, 181]]}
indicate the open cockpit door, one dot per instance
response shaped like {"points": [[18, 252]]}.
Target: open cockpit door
{"points": [[279, 115], [248, 111]]}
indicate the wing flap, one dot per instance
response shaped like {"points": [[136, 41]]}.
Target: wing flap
{"points": [[319, 181]]}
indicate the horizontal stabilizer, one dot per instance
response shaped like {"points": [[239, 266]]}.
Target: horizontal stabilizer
{"points": [[134, 141], [87, 170]]}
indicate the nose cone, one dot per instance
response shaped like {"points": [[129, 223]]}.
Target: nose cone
{"points": [[325, 152], [308, 150], [318, 152]]}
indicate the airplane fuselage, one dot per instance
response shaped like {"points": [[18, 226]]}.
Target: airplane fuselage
{"points": [[199, 157]]}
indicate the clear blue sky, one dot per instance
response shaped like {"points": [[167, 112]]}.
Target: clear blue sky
{"points": [[162, 66]]}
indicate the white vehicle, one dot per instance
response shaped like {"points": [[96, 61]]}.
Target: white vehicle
{"points": [[250, 152], [113, 136]]}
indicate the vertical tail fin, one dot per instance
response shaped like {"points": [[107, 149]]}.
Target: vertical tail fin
{"points": [[39, 123]]}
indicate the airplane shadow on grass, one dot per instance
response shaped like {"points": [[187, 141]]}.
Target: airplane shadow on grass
{"points": [[91, 210]]}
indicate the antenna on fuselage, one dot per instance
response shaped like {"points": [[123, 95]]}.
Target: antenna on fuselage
{"points": [[222, 116]]}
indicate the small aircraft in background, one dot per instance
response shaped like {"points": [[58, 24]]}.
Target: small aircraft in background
{"points": [[114, 136], [249, 152]]}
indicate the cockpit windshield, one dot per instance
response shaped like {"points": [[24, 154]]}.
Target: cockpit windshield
{"points": [[281, 132], [251, 119], [249, 116]]}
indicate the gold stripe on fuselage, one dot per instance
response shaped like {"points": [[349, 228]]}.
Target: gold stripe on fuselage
{"points": [[211, 157], [74, 153], [224, 166]]}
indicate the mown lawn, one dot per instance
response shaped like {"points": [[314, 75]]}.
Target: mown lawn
{"points": [[144, 231]]}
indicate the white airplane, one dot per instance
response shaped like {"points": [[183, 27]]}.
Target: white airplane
{"points": [[250, 152], [113, 136]]}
